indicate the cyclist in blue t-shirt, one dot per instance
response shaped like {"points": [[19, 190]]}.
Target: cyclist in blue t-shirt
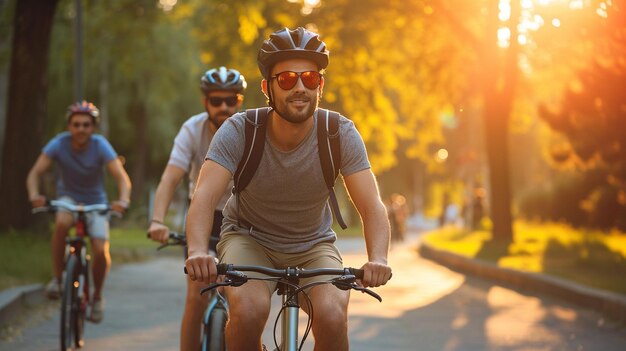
{"points": [[81, 157]]}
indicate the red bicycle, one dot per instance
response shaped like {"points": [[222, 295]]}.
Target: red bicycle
{"points": [[77, 273]]}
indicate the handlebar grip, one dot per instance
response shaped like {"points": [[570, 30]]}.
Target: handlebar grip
{"points": [[358, 273]]}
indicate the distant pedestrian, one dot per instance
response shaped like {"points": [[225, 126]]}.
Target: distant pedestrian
{"points": [[478, 208], [398, 215], [444, 206]]}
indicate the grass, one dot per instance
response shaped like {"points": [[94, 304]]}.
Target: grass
{"points": [[587, 257], [26, 256]]}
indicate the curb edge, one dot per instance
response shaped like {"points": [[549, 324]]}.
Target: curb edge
{"points": [[610, 304], [14, 301]]}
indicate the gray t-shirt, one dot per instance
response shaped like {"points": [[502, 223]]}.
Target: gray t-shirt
{"points": [[190, 147], [287, 200]]}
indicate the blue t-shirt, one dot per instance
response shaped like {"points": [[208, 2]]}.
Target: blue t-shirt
{"points": [[81, 172]]}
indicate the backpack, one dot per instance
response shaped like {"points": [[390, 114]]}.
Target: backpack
{"points": [[329, 149]]}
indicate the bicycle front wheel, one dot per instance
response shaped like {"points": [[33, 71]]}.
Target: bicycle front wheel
{"points": [[82, 301], [68, 303], [213, 339]]}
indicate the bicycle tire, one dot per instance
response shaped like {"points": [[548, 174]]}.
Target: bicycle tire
{"points": [[213, 338], [82, 303], [68, 303]]}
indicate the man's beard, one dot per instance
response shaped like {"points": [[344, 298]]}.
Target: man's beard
{"points": [[293, 115], [217, 120]]}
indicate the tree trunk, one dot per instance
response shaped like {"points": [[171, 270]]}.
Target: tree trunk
{"points": [[500, 78], [141, 150], [26, 112]]}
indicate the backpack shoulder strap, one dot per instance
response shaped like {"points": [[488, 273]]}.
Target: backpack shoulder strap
{"points": [[329, 144], [329, 147], [253, 150]]}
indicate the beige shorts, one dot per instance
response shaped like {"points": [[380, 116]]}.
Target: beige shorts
{"points": [[97, 223], [240, 249]]}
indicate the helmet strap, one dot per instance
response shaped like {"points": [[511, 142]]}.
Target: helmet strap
{"points": [[269, 98]]}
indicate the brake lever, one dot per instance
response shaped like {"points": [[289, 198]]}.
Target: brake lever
{"points": [[239, 280], [236, 278], [344, 282], [345, 285], [368, 291]]}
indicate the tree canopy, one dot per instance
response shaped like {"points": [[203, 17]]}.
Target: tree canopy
{"points": [[416, 76]]}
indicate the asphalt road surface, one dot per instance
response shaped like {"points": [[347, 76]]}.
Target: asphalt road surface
{"points": [[425, 307]]}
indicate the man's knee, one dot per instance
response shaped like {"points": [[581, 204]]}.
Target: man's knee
{"points": [[331, 309], [250, 305], [63, 223], [194, 298], [331, 320]]}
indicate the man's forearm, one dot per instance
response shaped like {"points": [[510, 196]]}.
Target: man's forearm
{"points": [[32, 185], [162, 200], [199, 224], [377, 234]]}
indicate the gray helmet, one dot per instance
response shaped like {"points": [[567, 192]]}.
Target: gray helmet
{"points": [[288, 44], [222, 79]]}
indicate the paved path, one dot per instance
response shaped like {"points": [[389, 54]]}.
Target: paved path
{"points": [[425, 307]]}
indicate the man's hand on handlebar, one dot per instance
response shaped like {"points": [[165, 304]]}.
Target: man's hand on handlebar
{"points": [[38, 201], [159, 232], [375, 274], [201, 267], [119, 207]]}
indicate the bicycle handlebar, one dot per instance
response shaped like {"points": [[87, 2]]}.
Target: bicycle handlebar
{"points": [[345, 277], [225, 268], [177, 239], [55, 205]]}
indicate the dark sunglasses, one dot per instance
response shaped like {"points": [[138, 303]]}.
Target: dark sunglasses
{"points": [[218, 101], [84, 124], [288, 79]]}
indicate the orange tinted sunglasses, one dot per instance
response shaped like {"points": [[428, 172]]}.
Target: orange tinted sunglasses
{"points": [[288, 79]]}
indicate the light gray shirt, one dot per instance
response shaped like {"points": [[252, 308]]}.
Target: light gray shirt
{"points": [[287, 199], [190, 148]]}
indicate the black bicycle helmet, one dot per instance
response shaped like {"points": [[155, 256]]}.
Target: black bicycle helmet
{"points": [[83, 107], [222, 79], [288, 44]]}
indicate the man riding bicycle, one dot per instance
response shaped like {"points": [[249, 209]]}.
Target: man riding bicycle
{"points": [[81, 156], [222, 90], [283, 218]]}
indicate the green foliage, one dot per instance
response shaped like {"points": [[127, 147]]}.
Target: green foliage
{"points": [[25, 259], [134, 55]]}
